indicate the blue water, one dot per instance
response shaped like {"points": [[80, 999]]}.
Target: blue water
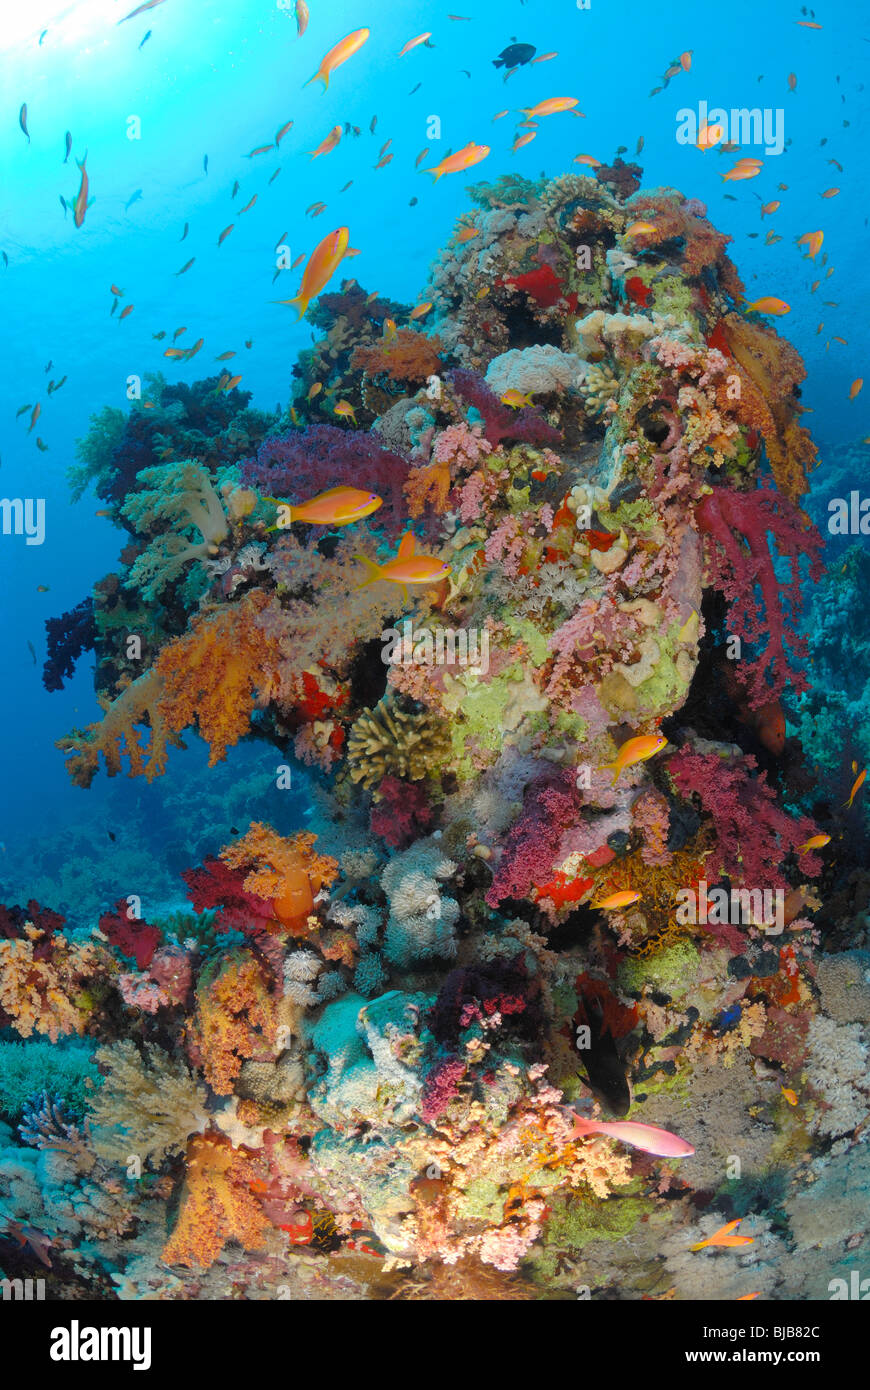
{"points": [[218, 79]]}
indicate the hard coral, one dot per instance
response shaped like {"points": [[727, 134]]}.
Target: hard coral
{"points": [[392, 740]]}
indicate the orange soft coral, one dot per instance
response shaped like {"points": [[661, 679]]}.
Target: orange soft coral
{"points": [[411, 356], [287, 870], [235, 1017], [218, 1204], [429, 484], [772, 369], [211, 674], [116, 735]]}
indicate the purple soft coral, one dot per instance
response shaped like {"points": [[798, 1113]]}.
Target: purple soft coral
{"points": [[297, 465], [500, 421]]}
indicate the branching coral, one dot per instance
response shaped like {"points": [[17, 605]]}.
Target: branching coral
{"points": [[235, 1017], [410, 356], [182, 495], [287, 871], [390, 740]]}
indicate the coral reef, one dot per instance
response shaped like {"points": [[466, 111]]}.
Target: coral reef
{"points": [[389, 1054]]}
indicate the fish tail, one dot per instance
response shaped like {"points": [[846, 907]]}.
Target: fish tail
{"points": [[302, 302], [318, 77], [606, 767], [373, 571]]}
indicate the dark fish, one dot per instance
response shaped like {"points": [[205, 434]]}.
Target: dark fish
{"points": [[413, 203], [234, 830], [32, 652], [68, 138], [622, 149], [42, 36], [5, 260], [605, 1069], [48, 368], [235, 189], [146, 38], [186, 267], [347, 127], [466, 72], [184, 233], [249, 342], [347, 186], [205, 162], [515, 55], [356, 132], [22, 121], [63, 203], [415, 89], [114, 306], [134, 198], [373, 124], [111, 834]]}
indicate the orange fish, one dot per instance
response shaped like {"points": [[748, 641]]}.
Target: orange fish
{"points": [[614, 901], [768, 305], [708, 136], [789, 1095], [807, 24], [225, 233], [191, 352], [636, 750], [817, 842], [420, 310], [344, 410], [349, 45], [412, 43], [339, 506], [322, 265], [383, 162], [741, 171], [465, 158], [792, 81], [467, 234], [830, 193], [544, 58], [115, 290], [124, 312], [813, 242], [686, 59], [550, 107], [261, 149], [498, 115], [407, 567], [315, 390], [233, 381], [768, 208], [174, 352], [640, 229], [225, 357], [328, 144], [858, 784], [37, 411], [724, 1237], [588, 159], [523, 140]]}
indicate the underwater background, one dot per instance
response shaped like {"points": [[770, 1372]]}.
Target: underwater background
{"points": [[201, 85]]}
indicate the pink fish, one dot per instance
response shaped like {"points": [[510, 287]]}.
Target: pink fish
{"points": [[646, 1137]]}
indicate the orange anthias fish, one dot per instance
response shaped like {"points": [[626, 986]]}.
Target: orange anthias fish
{"points": [[328, 144], [544, 57], [515, 399], [708, 136], [523, 140], [724, 1237], [636, 750], [830, 193], [420, 310], [140, 9], [789, 1095], [742, 171], [859, 782], [349, 45], [550, 107], [813, 242], [81, 203], [467, 234], [769, 305], [686, 60], [768, 208], [469, 155], [322, 265], [614, 901], [640, 229], [817, 842], [338, 506], [407, 567], [345, 410], [649, 1138], [412, 43], [37, 411], [588, 159]]}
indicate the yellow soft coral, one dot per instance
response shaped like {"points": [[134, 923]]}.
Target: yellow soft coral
{"points": [[218, 1204], [45, 994], [116, 736]]}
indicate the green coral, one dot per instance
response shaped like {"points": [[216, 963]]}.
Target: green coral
{"points": [[63, 1070], [667, 969], [95, 453]]}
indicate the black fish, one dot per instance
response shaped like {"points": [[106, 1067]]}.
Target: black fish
{"points": [[413, 203], [49, 365], [415, 89], [515, 55], [62, 203], [146, 38], [111, 834], [605, 1069], [205, 162], [184, 233], [234, 830], [68, 138], [5, 260]]}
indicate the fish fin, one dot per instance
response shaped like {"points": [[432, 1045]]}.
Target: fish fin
{"points": [[373, 571], [406, 545], [301, 301]]}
